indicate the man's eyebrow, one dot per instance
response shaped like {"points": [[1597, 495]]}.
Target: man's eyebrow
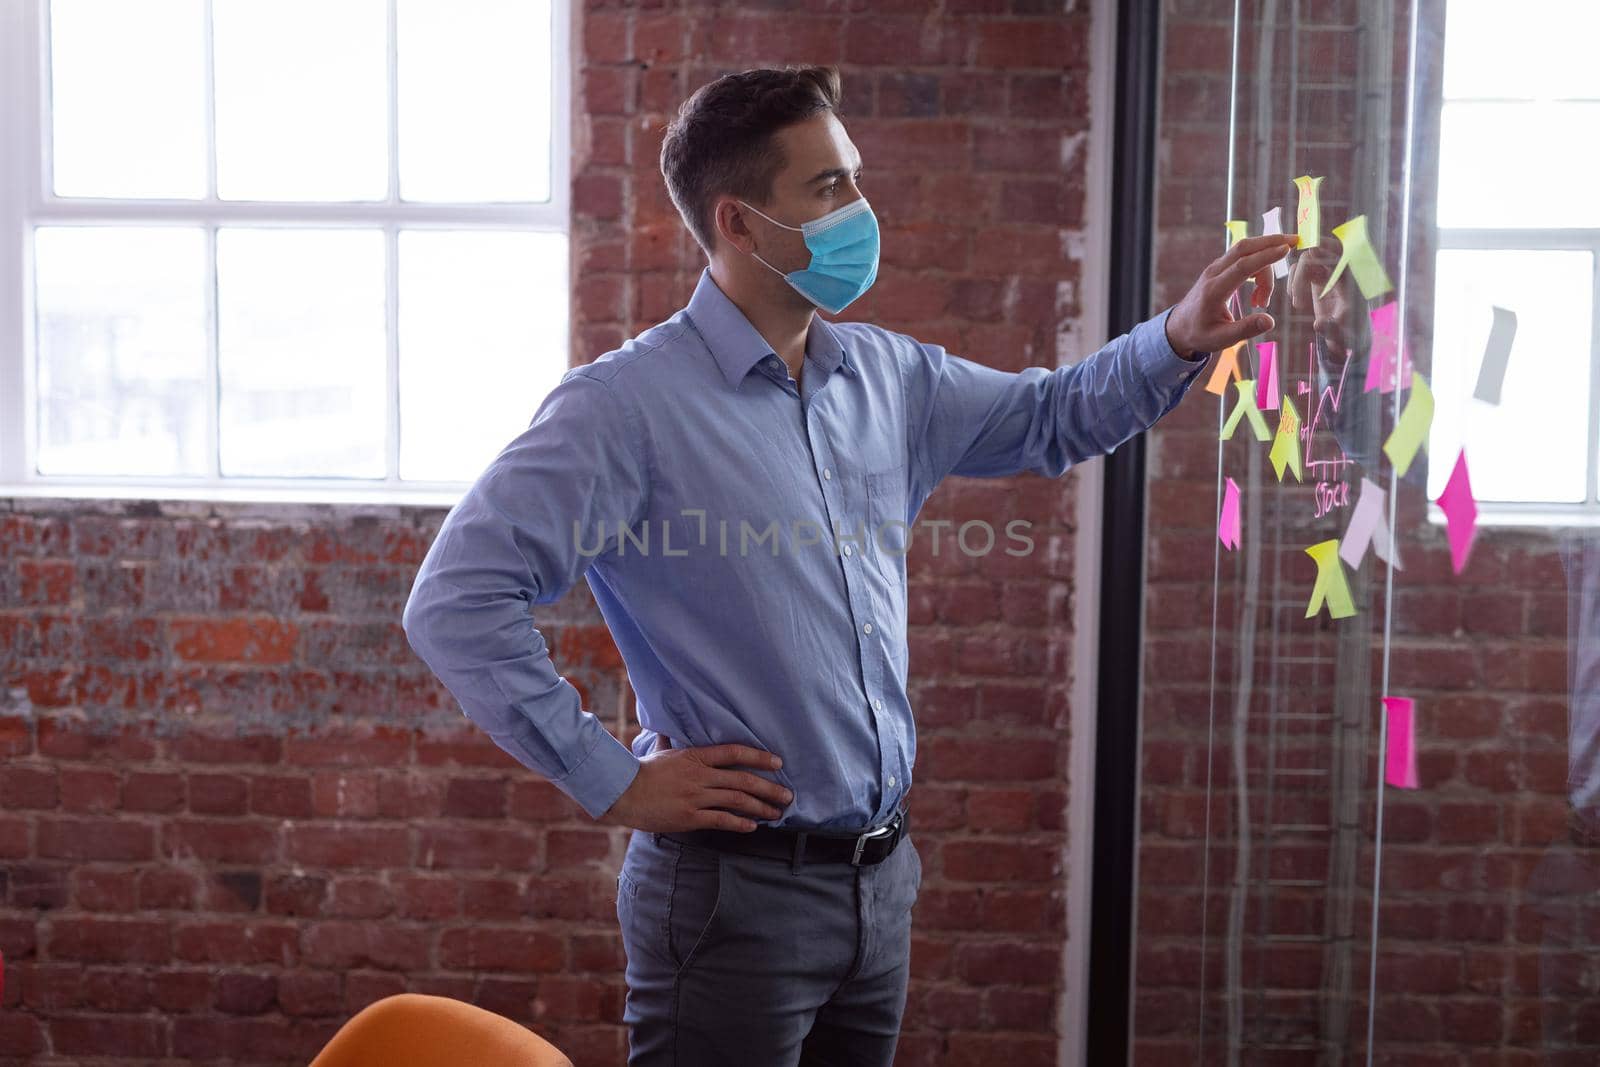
{"points": [[831, 172]]}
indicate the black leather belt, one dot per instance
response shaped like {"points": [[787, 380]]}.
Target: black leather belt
{"points": [[861, 849]]}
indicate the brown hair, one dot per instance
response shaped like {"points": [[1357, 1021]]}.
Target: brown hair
{"points": [[722, 140]]}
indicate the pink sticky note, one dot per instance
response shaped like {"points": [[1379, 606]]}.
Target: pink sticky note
{"points": [[1384, 364], [1400, 762], [1228, 523], [1267, 378], [1460, 512]]}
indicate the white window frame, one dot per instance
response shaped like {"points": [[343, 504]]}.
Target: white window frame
{"points": [[1538, 512], [26, 201]]}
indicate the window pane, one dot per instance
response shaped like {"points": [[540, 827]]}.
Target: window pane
{"points": [[122, 350], [127, 98], [1535, 49], [474, 83], [302, 91], [1515, 164], [302, 349], [1532, 445], [483, 338]]}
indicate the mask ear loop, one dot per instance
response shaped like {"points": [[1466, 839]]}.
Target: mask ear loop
{"points": [[775, 222]]}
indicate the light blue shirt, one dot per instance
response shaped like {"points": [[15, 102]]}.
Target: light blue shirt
{"points": [[745, 541]]}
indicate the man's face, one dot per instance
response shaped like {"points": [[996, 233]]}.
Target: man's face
{"points": [[820, 176]]}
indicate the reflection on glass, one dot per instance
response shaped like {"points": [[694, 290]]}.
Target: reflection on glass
{"points": [[122, 350], [474, 100], [1531, 446], [483, 338], [302, 100], [126, 98], [302, 352]]}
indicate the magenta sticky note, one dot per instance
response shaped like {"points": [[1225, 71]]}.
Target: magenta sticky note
{"points": [[1386, 367], [1267, 377], [1228, 522], [1400, 761], [1460, 513]]}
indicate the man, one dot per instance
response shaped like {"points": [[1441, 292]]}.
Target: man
{"points": [[736, 485]]}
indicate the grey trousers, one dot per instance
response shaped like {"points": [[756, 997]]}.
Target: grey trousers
{"points": [[741, 961]]}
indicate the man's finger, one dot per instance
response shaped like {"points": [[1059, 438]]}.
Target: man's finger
{"points": [[1227, 336], [1248, 246], [739, 756], [754, 784], [1220, 285]]}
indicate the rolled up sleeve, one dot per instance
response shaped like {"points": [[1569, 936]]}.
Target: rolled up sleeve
{"points": [[968, 419], [553, 500]]}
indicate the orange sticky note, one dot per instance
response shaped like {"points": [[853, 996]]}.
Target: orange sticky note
{"points": [[1227, 365]]}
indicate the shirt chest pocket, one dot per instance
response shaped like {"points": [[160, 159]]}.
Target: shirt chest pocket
{"points": [[888, 532]]}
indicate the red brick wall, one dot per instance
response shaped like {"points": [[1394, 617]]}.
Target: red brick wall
{"points": [[1480, 876], [234, 808]]}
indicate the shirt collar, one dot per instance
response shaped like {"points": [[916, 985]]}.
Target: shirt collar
{"points": [[737, 346]]}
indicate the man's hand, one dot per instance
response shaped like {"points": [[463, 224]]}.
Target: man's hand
{"points": [[682, 789], [1202, 321], [1312, 269]]}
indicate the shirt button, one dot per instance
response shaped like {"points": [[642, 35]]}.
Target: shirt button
{"points": [[847, 550], [867, 628], [878, 704], [827, 472], [891, 779]]}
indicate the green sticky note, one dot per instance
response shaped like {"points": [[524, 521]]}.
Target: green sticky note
{"points": [[1286, 446], [1411, 428], [1308, 216], [1238, 230], [1361, 258], [1246, 407], [1331, 587]]}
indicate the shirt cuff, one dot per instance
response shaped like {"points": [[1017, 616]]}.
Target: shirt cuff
{"points": [[602, 776], [1160, 362]]}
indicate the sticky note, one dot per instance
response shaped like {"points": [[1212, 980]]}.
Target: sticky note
{"points": [[1496, 354], [1411, 429], [1400, 759], [1237, 229], [1286, 447], [1308, 216], [1387, 367], [1460, 512], [1246, 407], [1369, 525], [1267, 376], [1228, 521], [1331, 587], [1359, 256], [1227, 366], [1272, 222]]}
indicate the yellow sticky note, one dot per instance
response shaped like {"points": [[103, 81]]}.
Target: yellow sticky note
{"points": [[1238, 230], [1286, 447], [1411, 428], [1331, 587], [1246, 407], [1361, 258], [1308, 216], [1227, 365]]}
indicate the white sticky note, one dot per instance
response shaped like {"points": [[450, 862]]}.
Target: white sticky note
{"points": [[1496, 354], [1272, 222]]}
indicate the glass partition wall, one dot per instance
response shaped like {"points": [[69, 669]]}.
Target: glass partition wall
{"points": [[1370, 749]]}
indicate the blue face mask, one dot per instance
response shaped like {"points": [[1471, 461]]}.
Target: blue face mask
{"points": [[844, 255]]}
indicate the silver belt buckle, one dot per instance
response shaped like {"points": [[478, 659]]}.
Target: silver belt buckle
{"points": [[861, 842]]}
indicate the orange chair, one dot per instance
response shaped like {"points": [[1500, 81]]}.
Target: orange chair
{"points": [[418, 1030]]}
